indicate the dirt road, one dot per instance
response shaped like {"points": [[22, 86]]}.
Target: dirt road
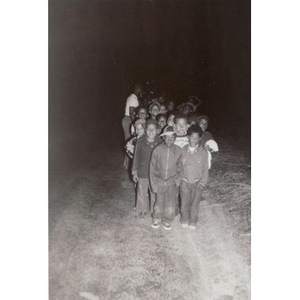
{"points": [[98, 249]]}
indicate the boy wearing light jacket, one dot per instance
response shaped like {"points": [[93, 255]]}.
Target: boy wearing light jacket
{"points": [[165, 173]]}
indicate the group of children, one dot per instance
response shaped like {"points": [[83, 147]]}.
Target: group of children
{"points": [[170, 151]]}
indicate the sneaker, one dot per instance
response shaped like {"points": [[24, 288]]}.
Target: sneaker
{"points": [[185, 225], [192, 227], [167, 226], [155, 224]]}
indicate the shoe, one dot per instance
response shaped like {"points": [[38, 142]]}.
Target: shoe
{"points": [[155, 224], [192, 227], [141, 215], [167, 226], [185, 225]]}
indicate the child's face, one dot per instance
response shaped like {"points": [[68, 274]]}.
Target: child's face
{"points": [[154, 110], [181, 126], [186, 109], [169, 139], [151, 131], [161, 99], [139, 130], [162, 122], [203, 124], [194, 139], [170, 106], [142, 114], [171, 120], [163, 109]]}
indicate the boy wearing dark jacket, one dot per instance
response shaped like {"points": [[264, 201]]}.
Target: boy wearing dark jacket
{"points": [[140, 166], [165, 174], [195, 176]]}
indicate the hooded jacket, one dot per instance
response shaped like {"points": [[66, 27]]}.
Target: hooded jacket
{"points": [[165, 166]]}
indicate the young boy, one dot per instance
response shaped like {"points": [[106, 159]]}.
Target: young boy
{"points": [[139, 132], [193, 118], [165, 173], [188, 108], [140, 166], [162, 121], [154, 109], [195, 176], [163, 109], [181, 126], [170, 105], [203, 123], [207, 140], [141, 113]]}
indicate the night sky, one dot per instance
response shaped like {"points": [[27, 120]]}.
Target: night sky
{"points": [[97, 49]]}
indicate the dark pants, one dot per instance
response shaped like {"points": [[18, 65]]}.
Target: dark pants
{"points": [[164, 207], [190, 198]]}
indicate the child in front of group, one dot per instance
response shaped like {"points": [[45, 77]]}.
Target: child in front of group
{"points": [[140, 167], [165, 173], [195, 176]]}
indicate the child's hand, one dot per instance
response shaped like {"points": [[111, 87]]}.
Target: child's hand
{"points": [[135, 178]]}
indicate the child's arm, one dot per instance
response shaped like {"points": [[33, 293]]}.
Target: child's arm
{"points": [[153, 181], [130, 148], [203, 181], [179, 174], [131, 112], [132, 131]]}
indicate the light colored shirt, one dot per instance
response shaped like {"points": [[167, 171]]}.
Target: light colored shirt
{"points": [[132, 100], [181, 141]]}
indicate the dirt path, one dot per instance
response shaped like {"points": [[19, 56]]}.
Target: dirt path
{"points": [[100, 250]]}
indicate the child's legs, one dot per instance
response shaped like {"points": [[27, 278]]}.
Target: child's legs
{"points": [[152, 200], [185, 193], [196, 198], [126, 121], [177, 209], [142, 195], [169, 209], [152, 197], [159, 206]]}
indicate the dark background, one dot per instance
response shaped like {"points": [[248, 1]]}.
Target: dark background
{"points": [[99, 49]]}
